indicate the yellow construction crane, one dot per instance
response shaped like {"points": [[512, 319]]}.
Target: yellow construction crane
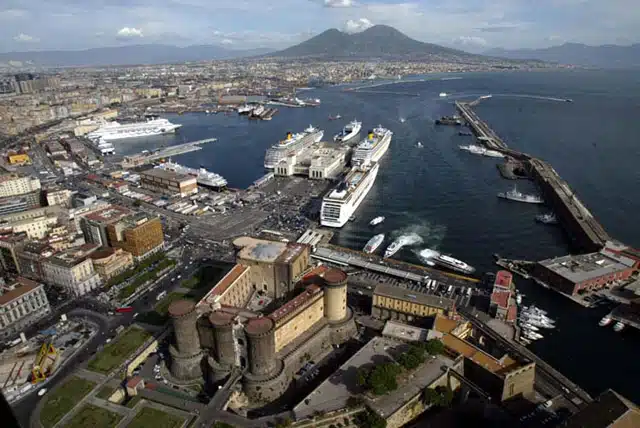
{"points": [[45, 362]]}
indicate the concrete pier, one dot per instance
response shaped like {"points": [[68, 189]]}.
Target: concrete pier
{"points": [[145, 158], [583, 229]]}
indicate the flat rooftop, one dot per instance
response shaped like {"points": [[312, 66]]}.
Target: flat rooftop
{"points": [[413, 296], [333, 393], [22, 287], [166, 175], [405, 332], [610, 409], [583, 267], [108, 215]]}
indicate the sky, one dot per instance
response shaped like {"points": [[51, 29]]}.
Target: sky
{"points": [[472, 25]]}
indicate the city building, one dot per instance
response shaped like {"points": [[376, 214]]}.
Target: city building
{"points": [[139, 234], [94, 224], [502, 304], [30, 259], [14, 185], [395, 303], [22, 303], [501, 376], [56, 150], [72, 269], [18, 159], [320, 161], [23, 202], [9, 246], [275, 266], [573, 274], [251, 321], [109, 262], [168, 182], [58, 196], [34, 227], [608, 410]]}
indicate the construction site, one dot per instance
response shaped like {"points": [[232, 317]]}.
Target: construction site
{"points": [[28, 363]]}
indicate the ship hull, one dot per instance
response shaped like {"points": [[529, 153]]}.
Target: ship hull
{"points": [[141, 134], [446, 265], [346, 209], [375, 154], [509, 198], [275, 153]]}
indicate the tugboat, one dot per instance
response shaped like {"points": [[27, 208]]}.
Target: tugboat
{"points": [[618, 327], [449, 120]]}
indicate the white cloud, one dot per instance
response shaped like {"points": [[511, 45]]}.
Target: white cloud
{"points": [[129, 33], [338, 3], [470, 41], [25, 38], [357, 25]]}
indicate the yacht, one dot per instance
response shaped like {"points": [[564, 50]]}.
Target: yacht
{"points": [[343, 201], [515, 195], [395, 247], [548, 218], [618, 327], [376, 221], [374, 243], [527, 326], [434, 258], [419, 145], [336, 117], [532, 335], [443, 94], [479, 150], [519, 299], [245, 109], [606, 320], [117, 131], [348, 132], [293, 144], [403, 120], [373, 147]]}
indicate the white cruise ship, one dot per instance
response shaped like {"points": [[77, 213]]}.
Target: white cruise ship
{"points": [[343, 201], [373, 147], [203, 177], [292, 144], [117, 131], [105, 147]]}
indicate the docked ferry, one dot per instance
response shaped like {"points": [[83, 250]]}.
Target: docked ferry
{"points": [[373, 147], [117, 131], [292, 144], [343, 201], [348, 132]]}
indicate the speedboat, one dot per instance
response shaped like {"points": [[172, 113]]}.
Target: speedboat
{"points": [[519, 299], [336, 117], [618, 327], [403, 120], [443, 94], [527, 326], [419, 145], [394, 247], [606, 320], [548, 218], [376, 221], [374, 243]]}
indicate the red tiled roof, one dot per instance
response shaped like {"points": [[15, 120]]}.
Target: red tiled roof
{"points": [[512, 313], [295, 303], [503, 279], [227, 280], [501, 298]]}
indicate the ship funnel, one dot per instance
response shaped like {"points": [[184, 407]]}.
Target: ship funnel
{"points": [[370, 136], [288, 135]]}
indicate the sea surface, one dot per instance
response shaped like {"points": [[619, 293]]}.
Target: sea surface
{"points": [[446, 198]]}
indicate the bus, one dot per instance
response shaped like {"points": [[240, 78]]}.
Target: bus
{"points": [[124, 309]]}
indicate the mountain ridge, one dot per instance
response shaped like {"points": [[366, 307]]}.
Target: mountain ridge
{"points": [[376, 41], [570, 53]]}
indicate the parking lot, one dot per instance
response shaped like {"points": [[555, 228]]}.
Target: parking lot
{"points": [[364, 283]]}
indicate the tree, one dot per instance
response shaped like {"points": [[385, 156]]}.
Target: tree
{"points": [[284, 422], [370, 419], [441, 396], [434, 347], [362, 375], [382, 378], [354, 401]]}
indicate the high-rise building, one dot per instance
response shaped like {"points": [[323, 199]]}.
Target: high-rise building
{"points": [[72, 269], [94, 225], [139, 234], [168, 182]]}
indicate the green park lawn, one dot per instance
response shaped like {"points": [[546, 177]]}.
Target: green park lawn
{"points": [[63, 399], [116, 352]]}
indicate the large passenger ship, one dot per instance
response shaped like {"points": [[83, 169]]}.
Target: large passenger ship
{"points": [[117, 131], [292, 144], [203, 177], [343, 201], [373, 147]]}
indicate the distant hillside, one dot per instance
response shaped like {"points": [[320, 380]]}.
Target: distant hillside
{"points": [[125, 55], [605, 56], [379, 41]]}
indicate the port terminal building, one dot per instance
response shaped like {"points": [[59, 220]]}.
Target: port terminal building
{"points": [[574, 274], [320, 161]]}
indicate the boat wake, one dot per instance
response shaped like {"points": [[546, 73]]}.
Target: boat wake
{"points": [[421, 233], [426, 255]]}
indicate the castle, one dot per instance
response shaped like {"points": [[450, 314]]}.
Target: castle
{"points": [[269, 315]]}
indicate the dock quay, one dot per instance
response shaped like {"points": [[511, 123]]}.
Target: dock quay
{"points": [[584, 231], [345, 257], [520, 267], [145, 158], [627, 314], [512, 169]]}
